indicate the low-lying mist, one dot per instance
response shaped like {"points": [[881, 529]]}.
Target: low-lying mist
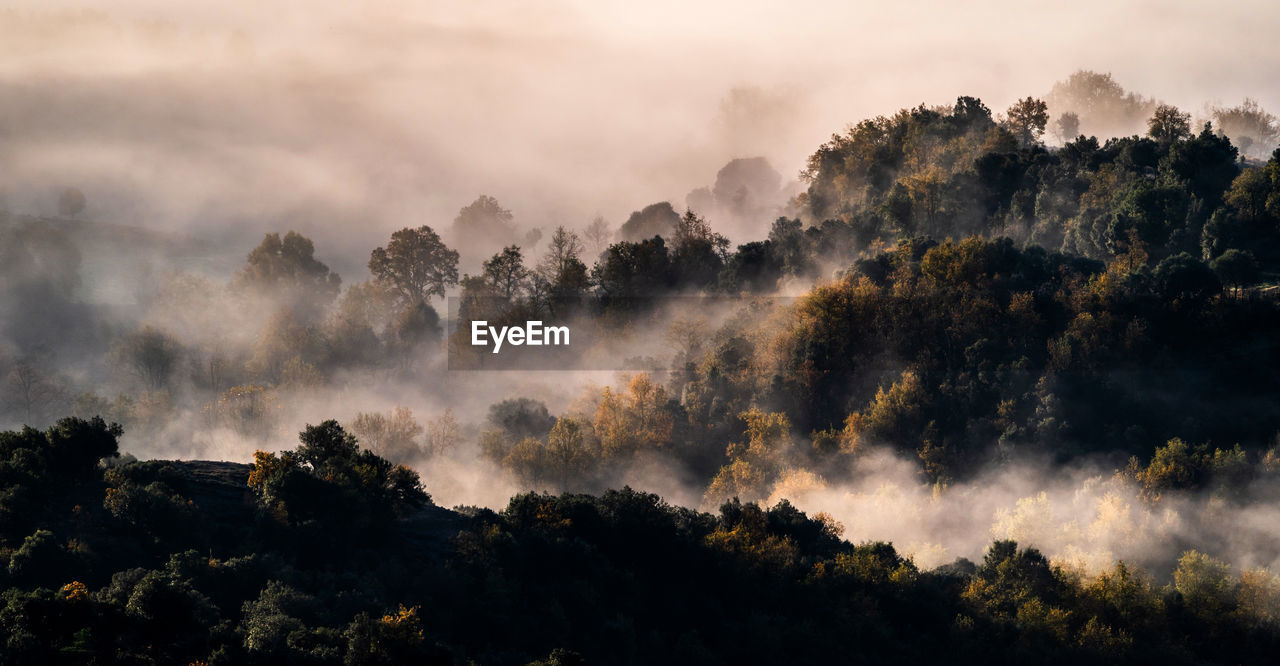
{"points": [[146, 150], [1084, 517]]}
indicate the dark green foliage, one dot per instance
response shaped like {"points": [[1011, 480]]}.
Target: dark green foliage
{"points": [[329, 481], [942, 350], [1236, 268], [630, 270], [619, 578], [39, 468]]}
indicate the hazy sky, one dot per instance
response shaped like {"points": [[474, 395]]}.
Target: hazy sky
{"points": [[358, 118]]}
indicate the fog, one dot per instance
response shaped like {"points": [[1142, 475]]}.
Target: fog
{"points": [[1083, 516], [347, 122], [202, 126]]}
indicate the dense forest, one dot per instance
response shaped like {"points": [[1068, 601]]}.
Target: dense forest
{"points": [[946, 288], [330, 554]]}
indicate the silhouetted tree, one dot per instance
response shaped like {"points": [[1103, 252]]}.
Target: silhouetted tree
{"points": [[1169, 125], [658, 219], [288, 266], [1236, 268], [505, 273], [1067, 126], [416, 265], [484, 223], [1027, 119]]}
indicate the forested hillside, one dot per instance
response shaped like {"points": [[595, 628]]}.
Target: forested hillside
{"points": [[1063, 351], [329, 554]]}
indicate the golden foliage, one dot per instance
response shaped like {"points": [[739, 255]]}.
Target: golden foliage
{"points": [[635, 420], [75, 591], [404, 624], [756, 546]]}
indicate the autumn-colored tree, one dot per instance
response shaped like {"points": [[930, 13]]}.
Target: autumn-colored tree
{"points": [[634, 420], [1027, 119], [754, 463]]}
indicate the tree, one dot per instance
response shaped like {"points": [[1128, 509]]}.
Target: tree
{"points": [[288, 266], [415, 265], [745, 187], [1249, 126], [755, 463], [1236, 269], [484, 223], [1174, 466], [505, 273], [512, 421], [1027, 119], [634, 420], [658, 219], [417, 326], [634, 269], [393, 436], [442, 434], [1205, 583], [151, 354], [532, 237], [248, 409], [693, 230], [30, 393], [1207, 162], [561, 272], [1184, 279], [329, 477], [699, 252], [518, 418], [598, 234], [1169, 125], [1068, 126], [1103, 106], [566, 452]]}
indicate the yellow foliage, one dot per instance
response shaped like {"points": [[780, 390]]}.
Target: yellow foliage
{"points": [[635, 420], [75, 591], [265, 465], [404, 624], [1096, 636], [760, 549], [830, 526], [889, 412], [738, 479], [1258, 597], [765, 430], [1035, 613]]}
